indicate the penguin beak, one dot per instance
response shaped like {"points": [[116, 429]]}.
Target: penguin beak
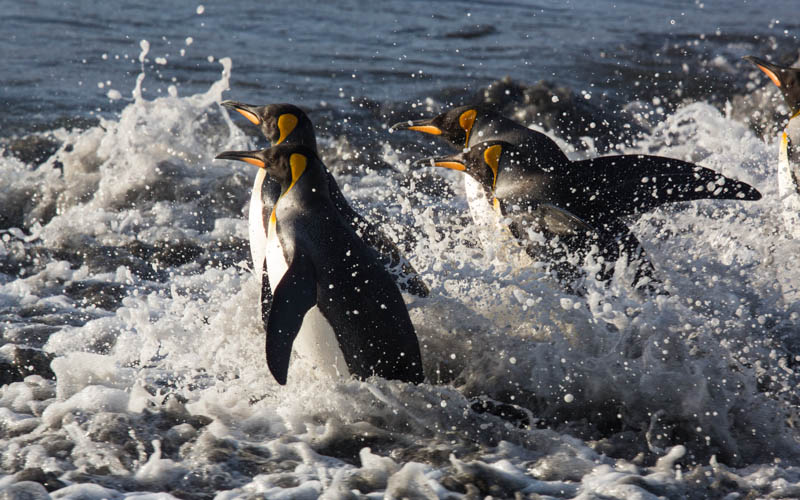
{"points": [[251, 157], [424, 126], [772, 71], [247, 110], [454, 162]]}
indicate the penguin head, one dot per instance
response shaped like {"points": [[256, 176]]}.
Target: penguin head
{"points": [[285, 163], [280, 123], [453, 125], [482, 161], [787, 79]]}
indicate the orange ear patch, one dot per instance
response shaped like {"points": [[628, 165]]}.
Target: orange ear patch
{"points": [[466, 120], [286, 124], [254, 119], [492, 157], [771, 74], [298, 164]]}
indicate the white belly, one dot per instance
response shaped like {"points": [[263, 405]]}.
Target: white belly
{"points": [[790, 198], [256, 229], [315, 348], [495, 236]]}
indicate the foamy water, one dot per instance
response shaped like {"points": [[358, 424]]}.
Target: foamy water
{"points": [[128, 266]]}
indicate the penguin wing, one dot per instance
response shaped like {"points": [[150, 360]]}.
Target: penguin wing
{"points": [[627, 184], [548, 217], [390, 256], [295, 294]]}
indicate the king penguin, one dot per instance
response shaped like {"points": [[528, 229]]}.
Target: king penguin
{"points": [[465, 126], [788, 80], [596, 191], [333, 302], [288, 124], [575, 199]]}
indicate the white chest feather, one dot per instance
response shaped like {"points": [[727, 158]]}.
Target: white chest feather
{"points": [[256, 229], [788, 176], [315, 348]]}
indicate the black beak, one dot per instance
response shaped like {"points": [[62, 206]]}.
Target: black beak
{"points": [[773, 71], [252, 157]]}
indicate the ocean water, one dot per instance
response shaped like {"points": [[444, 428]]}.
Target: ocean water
{"points": [[131, 347]]}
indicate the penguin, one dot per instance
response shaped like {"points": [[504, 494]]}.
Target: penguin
{"points": [[788, 80], [585, 198], [465, 126], [333, 301], [288, 124]]}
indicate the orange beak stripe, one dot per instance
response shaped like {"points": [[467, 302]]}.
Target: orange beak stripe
{"points": [[254, 119], [771, 74], [454, 165], [254, 161], [427, 129]]}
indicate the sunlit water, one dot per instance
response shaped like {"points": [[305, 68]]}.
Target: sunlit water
{"points": [[124, 259]]}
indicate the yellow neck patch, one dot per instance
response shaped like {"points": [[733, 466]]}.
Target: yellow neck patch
{"points": [[795, 115], [492, 157], [286, 124], [466, 120]]}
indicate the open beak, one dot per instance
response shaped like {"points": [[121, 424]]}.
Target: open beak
{"points": [[772, 71], [424, 126], [247, 110], [453, 162], [251, 157]]}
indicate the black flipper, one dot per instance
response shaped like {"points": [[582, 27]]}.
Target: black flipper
{"points": [[576, 235], [294, 296], [616, 186], [390, 256]]}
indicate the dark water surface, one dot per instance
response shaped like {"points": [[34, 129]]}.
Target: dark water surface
{"points": [[57, 54]]}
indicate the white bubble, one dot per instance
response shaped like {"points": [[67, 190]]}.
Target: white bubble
{"points": [[189, 40], [200, 9], [161, 60], [443, 404], [114, 94], [569, 398], [554, 98]]}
